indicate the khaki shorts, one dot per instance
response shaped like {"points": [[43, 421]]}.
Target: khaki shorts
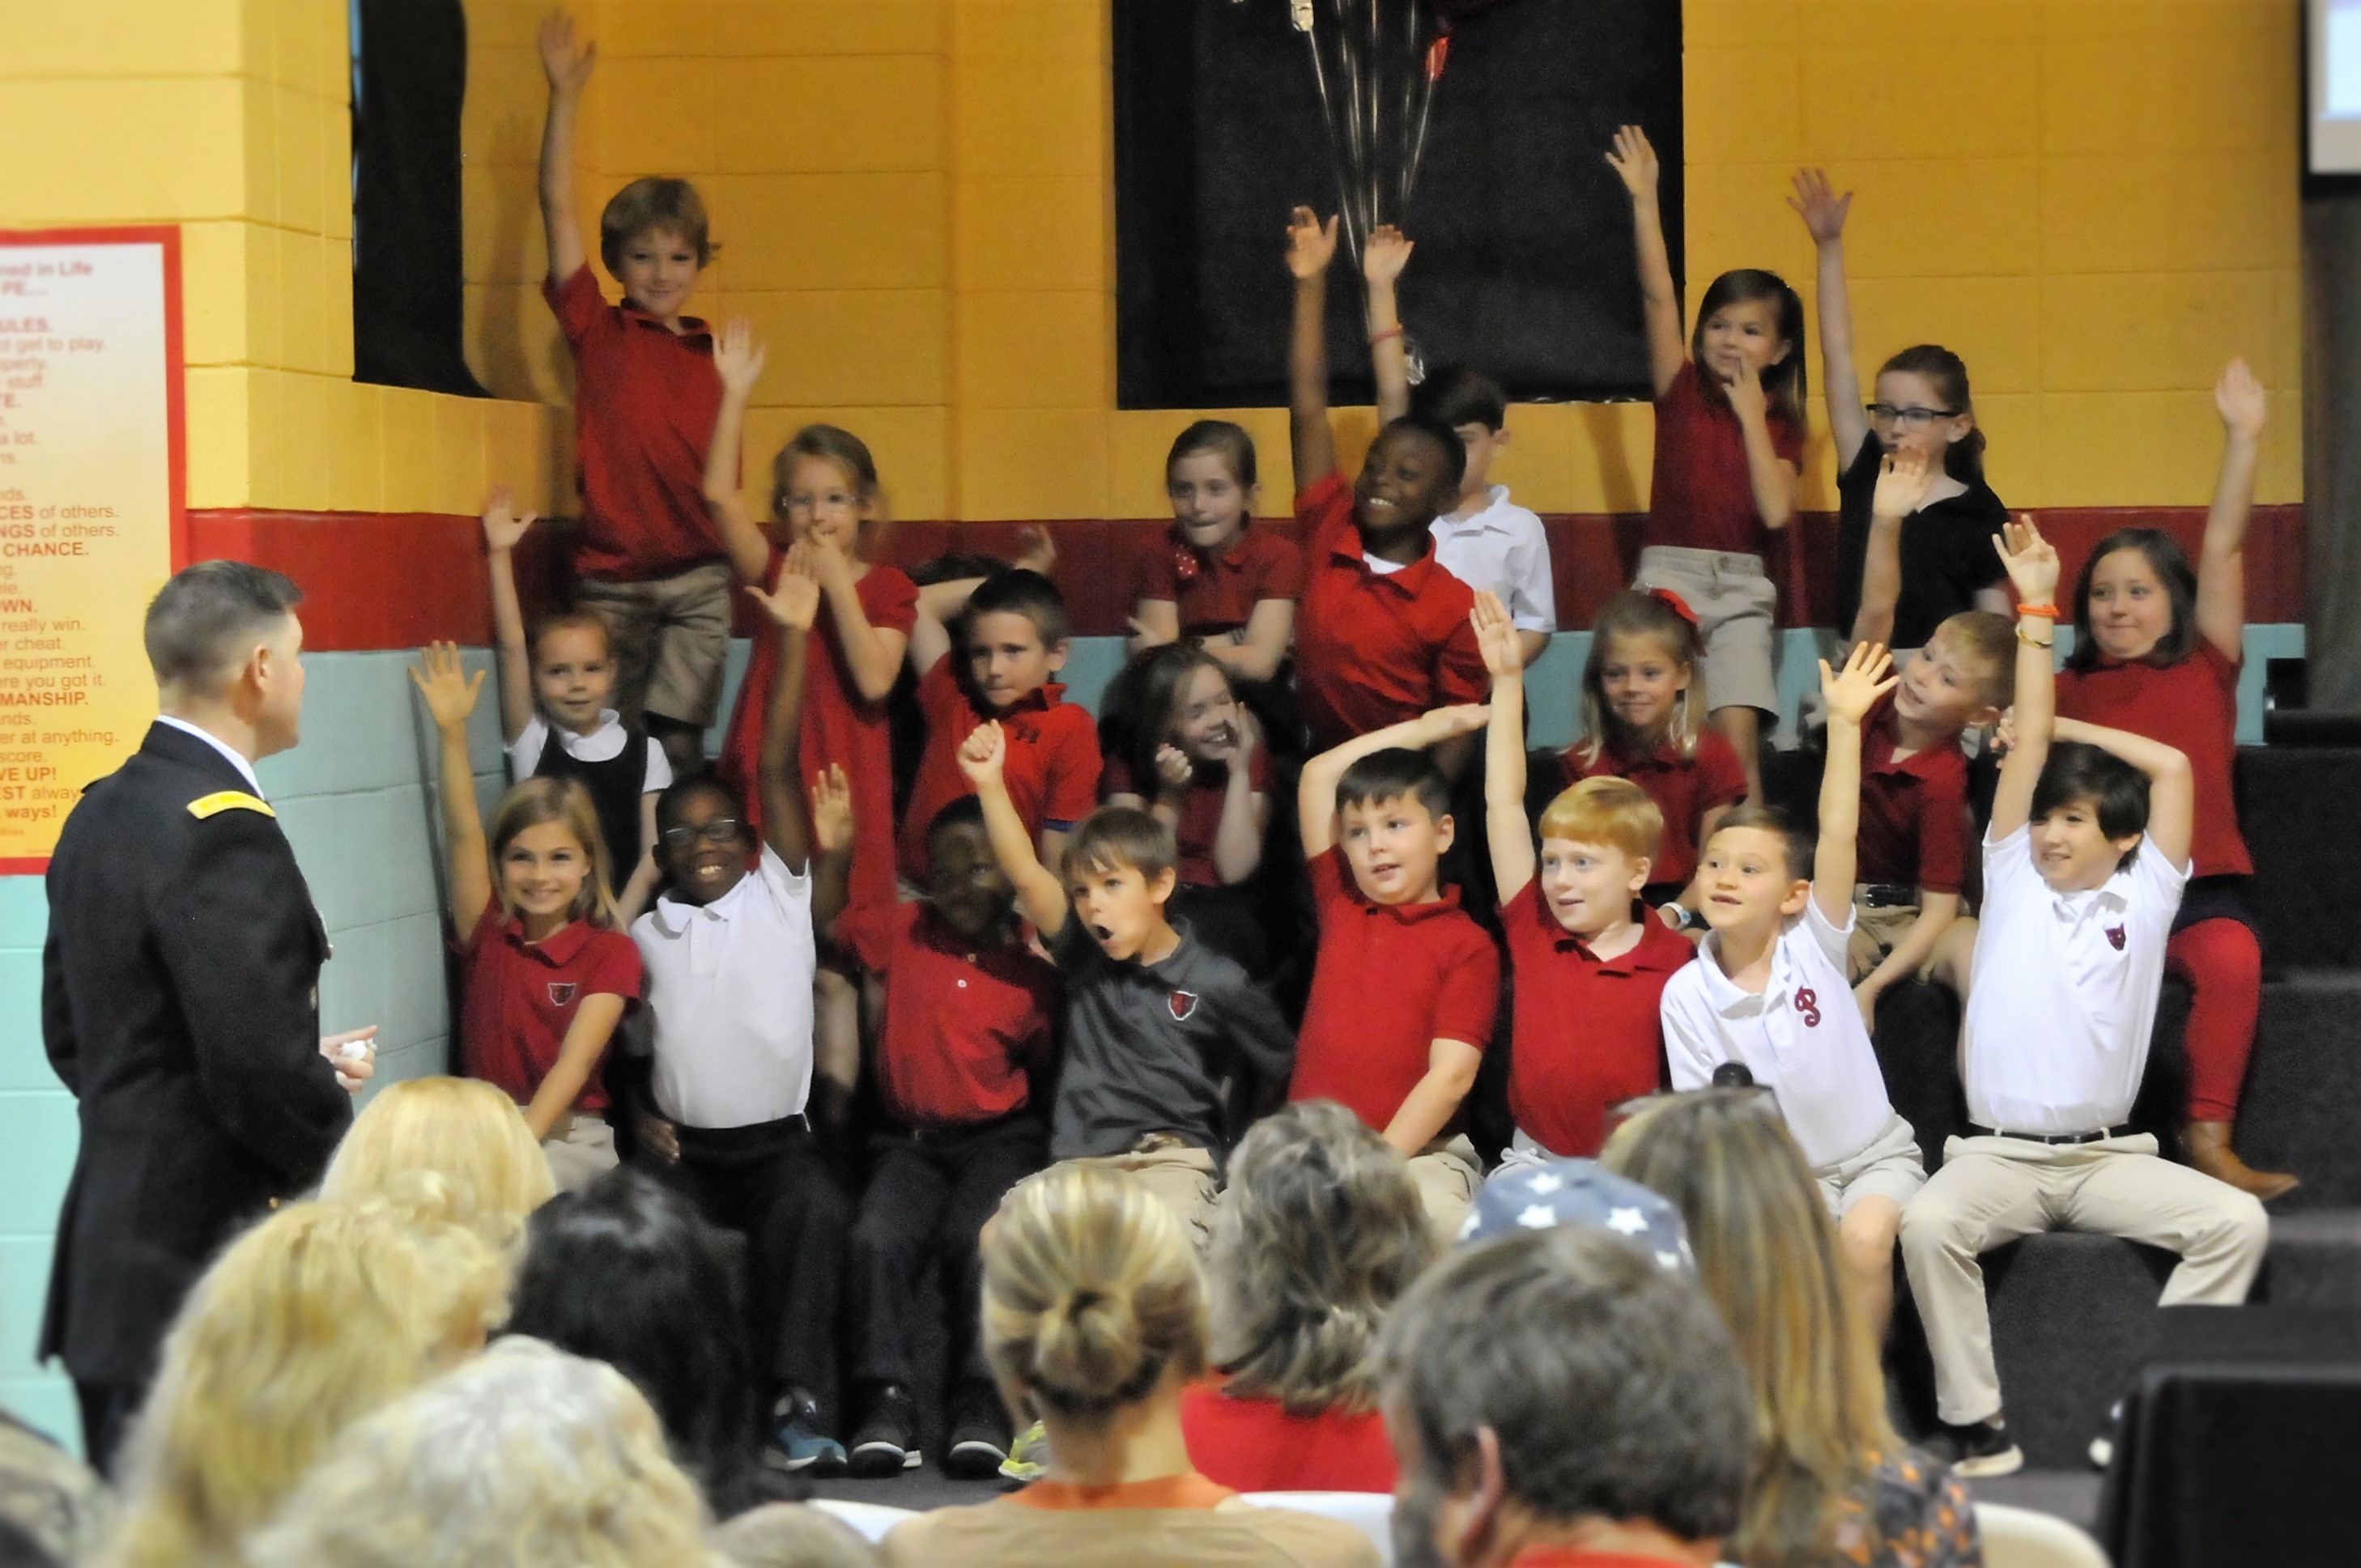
{"points": [[1891, 1166], [1876, 928], [671, 638], [1735, 605], [581, 1148], [1180, 1175], [1446, 1174]]}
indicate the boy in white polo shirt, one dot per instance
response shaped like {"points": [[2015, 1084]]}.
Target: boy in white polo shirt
{"points": [[1769, 991], [2083, 868], [730, 957]]}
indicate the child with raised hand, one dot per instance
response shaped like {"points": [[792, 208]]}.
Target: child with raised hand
{"points": [[1591, 965], [557, 718], [2084, 866], [1405, 986], [1383, 633], [1769, 991], [2157, 647], [545, 976], [1908, 557], [1642, 712], [731, 953], [645, 555], [1155, 1020], [1730, 447]]}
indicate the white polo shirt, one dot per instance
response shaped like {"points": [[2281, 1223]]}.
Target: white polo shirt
{"points": [[1502, 549], [2061, 995], [602, 744], [1802, 1038], [729, 984]]}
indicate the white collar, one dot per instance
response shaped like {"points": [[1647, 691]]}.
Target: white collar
{"points": [[245, 768], [1485, 517]]}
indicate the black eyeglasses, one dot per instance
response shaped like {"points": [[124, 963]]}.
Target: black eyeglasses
{"points": [[720, 830], [1909, 416]]}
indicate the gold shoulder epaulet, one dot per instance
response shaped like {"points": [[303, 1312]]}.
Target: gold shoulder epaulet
{"points": [[227, 800]]}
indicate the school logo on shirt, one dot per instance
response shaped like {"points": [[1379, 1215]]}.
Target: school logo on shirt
{"points": [[1807, 1004], [2115, 937], [561, 992], [1183, 1004]]}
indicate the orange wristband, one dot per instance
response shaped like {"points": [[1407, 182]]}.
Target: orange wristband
{"points": [[2038, 612], [1378, 337]]}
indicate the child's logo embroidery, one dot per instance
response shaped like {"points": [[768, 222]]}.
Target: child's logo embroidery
{"points": [[2115, 937], [1808, 1003], [1185, 564], [1183, 1004], [561, 992]]}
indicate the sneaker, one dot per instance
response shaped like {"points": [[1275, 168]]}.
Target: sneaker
{"points": [[978, 1446], [1029, 1456], [799, 1443], [1979, 1448], [886, 1441]]}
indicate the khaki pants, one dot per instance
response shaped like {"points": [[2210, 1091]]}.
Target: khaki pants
{"points": [[1991, 1190], [1446, 1174], [1891, 1166], [671, 638], [1734, 604], [581, 1148], [1876, 928], [1181, 1176]]}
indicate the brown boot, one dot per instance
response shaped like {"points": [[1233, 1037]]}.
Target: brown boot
{"points": [[2208, 1143]]}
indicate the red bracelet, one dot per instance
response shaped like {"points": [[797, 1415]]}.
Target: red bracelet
{"points": [[2038, 612], [1378, 337]]}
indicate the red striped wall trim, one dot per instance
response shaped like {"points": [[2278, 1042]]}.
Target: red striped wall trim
{"points": [[375, 580]]}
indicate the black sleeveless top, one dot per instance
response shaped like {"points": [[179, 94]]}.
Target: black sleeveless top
{"points": [[615, 786]]}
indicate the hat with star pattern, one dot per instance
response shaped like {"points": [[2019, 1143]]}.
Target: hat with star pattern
{"points": [[1578, 1193]]}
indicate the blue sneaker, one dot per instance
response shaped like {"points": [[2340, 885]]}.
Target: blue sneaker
{"points": [[799, 1443]]}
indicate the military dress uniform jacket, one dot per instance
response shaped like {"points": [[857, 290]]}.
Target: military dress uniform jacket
{"points": [[179, 1002]]}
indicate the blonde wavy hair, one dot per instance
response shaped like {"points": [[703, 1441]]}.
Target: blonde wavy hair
{"points": [[462, 1129], [1766, 1252], [532, 802], [309, 1322], [1092, 1295], [1320, 1232], [526, 1458]]}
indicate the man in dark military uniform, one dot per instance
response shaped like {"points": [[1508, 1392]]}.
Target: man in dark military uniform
{"points": [[179, 991]]}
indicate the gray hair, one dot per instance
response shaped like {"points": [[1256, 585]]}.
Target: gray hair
{"points": [[1610, 1382], [198, 622], [1320, 1231], [793, 1535]]}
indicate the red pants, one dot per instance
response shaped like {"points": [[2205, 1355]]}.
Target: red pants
{"points": [[2223, 967]]}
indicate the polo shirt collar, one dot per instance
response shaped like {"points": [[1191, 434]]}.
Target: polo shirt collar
{"points": [[1725, 992], [1645, 955], [563, 946], [2109, 897], [1411, 579], [1880, 742], [1233, 559], [1040, 699], [691, 326], [674, 916], [1664, 754], [1484, 519], [1407, 914]]}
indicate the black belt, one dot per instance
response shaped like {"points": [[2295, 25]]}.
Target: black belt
{"points": [[1887, 895], [2123, 1131]]}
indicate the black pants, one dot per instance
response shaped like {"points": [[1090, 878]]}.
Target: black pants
{"points": [[106, 1412], [770, 1183], [931, 1192]]}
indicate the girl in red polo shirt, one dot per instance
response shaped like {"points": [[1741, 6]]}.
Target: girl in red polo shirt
{"points": [[2157, 649], [545, 976], [1730, 446], [1642, 701]]}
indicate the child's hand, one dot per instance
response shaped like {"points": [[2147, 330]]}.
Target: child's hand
{"points": [[1384, 254], [1747, 400], [1903, 480], [831, 811], [502, 527], [983, 753], [658, 1136], [1852, 691], [1496, 634], [2240, 398], [565, 64], [1864, 996], [1822, 210], [1443, 724], [1147, 636], [1038, 552], [795, 603], [823, 558], [738, 356], [1311, 244], [2004, 734], [1172, 769], [2031, 560], [449, 690], [1635, 161]]}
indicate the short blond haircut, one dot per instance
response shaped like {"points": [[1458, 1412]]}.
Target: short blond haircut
{"points": [[1987, 645], [311, 1321], [462, 1129], [1609, 811]]}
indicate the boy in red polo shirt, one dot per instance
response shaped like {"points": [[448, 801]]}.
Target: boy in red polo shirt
{"points": [[1589, 960], [1405, 986], [1382, 632], [645, 401]]}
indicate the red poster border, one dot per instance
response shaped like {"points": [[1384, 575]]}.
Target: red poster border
{"points": [[176, 425]]}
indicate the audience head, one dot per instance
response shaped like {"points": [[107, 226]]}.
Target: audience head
{"points": [[1118, 868], [792, 1535], [626, 1271], [965, 881], [1175, 695], [1410, 477], [1640, 686], [461, 1129], [1961, 679], [1599, 840], [703, 842], [549, 858], [1394, 824], [1756, 870], [1014, 636], [2089, 810], [1767, 1254], [525, 1457], [654, 237], [1752, 318], [1924, 406], [2135, 601], [1209, 477], [1320, 1229], [1093, 1302], [224, 631], [573, 668], [317, 1317], [1475, 408], [1557, 1387], [824, 485], [1580, 1194]]}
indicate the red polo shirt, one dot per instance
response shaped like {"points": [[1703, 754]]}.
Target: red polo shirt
{"points": [[1200, 810], [1252, 1444], [1218, 593], [1391, 979], [962, 1021], [1914, 812], [645, 402], [520, 998], [1701, 497], [2193, 706], [1052, 768], [1684, 788], [1586, 1034], [1371, 648]]}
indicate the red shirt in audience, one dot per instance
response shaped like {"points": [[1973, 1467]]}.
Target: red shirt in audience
{"points": [[1052, 768], [1254, 1445], [520, 998], [1200, 810], [1684, 788], [1218, 593], [1701, 497], [1914, 812], [2193, 706]]}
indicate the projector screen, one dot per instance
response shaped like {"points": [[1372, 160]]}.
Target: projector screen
{"points": [[2335, 86]]}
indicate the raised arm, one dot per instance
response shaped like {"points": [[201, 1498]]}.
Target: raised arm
{"points": [[1902, 481], [502, 529], [2171, 784], [1246, 813], [1635, 162], [1383, 257], [2032, 563], [779, 772], [940, 604], [1311, 246], [1315, 796], [567, 65], [1506, 830], [1851, 693], [1040, 893], [450, 695], [738, 358], [1824, 212], [831, 827], [2222, 559], [873, 654]]}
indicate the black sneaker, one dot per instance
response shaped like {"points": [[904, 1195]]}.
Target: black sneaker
{"points": [[886, 1442], [978, 1443], [799, 1440], [1979, 1449]]}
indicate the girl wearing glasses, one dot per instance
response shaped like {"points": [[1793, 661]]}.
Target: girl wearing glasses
{"points": [[1918, 550]]}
